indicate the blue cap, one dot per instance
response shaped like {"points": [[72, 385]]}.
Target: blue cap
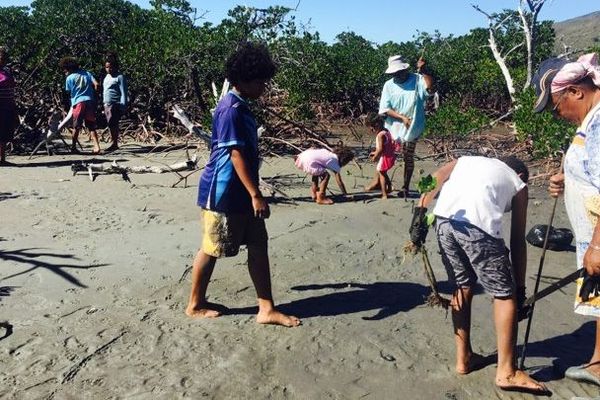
{"points": [[542, 81]]}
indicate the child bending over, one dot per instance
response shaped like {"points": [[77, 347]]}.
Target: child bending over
{"points": [[316, 162], [474, 194], [384, 155], [81, 86]]}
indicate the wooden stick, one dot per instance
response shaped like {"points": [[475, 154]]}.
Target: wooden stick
{"points": [[539, 275]]}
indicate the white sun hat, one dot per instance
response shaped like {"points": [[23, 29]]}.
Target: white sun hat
{"points": [[395, 64]]}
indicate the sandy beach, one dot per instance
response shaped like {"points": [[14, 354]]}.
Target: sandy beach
{"points": [[93, 290]]}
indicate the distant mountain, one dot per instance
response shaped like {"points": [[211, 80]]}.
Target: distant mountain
{"points": [[578, 33]]}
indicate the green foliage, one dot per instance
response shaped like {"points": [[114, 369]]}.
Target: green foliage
{"points": [[306, 71], [349, 72], [451, 119], [169, 56], [426, 184], [546, 134], [17, 38], [430, 219]]}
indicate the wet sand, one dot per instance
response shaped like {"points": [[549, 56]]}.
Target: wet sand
{"points": [[93, 283]]}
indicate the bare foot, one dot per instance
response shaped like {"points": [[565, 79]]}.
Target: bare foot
{"points": [[521, 382], [371, 188], [96, 151], [275, 317], [202, 311], [324, 200], [474, 362], [594, 368], [313, 193]]}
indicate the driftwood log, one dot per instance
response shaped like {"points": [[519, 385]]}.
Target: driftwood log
{"points": [[190, 165], [179, 114], [115, 168]]}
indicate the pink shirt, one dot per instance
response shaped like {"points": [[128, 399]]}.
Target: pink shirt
{"points": [[388, 144], [316, 161]]}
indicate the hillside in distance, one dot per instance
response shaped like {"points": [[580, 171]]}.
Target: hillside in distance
{"points": [[578, 33]]}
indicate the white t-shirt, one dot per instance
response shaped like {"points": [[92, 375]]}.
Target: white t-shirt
{"points": [[479, 191]]}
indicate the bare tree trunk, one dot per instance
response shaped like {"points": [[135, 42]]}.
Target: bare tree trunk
{"points": [[529, 29], [500, 59], [529, 42]]}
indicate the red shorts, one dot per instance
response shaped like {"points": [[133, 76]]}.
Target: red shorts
{"points": [[84, 112]]}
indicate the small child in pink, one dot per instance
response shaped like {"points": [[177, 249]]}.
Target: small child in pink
{"points": [[316, 162], [384, 155]]}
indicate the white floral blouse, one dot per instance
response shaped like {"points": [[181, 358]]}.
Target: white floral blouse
{"points": [[582, 181]]}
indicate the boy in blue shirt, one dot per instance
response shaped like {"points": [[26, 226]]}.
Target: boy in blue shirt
{"points": [[233, 208], [81, 86]]}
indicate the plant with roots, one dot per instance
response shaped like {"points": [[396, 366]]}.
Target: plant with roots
{"points": [[425, 185]]}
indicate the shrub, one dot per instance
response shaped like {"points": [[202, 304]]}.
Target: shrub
{"points": [[453, 120], [546, 134]]}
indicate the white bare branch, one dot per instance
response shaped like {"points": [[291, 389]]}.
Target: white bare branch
{"points": [[476, 7], [529, 25], [499, 24], [500, 59], [528, 42], [513, 49]]}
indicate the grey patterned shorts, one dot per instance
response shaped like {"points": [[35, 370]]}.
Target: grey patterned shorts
{"points": [[470, 254]]}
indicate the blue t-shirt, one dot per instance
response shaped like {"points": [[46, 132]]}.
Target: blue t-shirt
{"points": [[220, 188], [406, 98], [80, 86]]}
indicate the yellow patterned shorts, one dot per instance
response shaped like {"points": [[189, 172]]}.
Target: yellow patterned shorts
{"points": [[223, 234], [592, 302], [590, 307]]}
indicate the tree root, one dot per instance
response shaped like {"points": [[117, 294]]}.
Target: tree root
{"points": [[434, 299]]}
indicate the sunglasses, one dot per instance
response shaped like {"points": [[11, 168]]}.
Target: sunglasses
{"points": [[559, 101]]}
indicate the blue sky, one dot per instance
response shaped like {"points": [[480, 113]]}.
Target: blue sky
{"points": [[384, 20]]}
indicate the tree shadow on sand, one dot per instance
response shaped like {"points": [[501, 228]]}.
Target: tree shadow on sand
{"points": [[387, 298], [29, 256], [365, 197], [566, 350], [8, 196], [6, 328], [5, 291]]}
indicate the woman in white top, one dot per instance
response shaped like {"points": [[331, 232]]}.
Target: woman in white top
{"points": [[572, 92]]}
